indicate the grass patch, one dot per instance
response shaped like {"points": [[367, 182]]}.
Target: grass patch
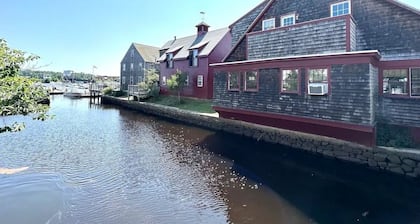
{"points": [[196, 105]]}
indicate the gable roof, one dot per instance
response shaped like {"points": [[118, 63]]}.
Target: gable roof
{"points": [[267, 4], [149, 53], [404, 6], [207, 41]]}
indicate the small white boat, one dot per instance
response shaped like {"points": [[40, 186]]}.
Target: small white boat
{"points": [[74, 93]]}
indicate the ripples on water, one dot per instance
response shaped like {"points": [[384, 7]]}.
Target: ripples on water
{"points": [[97, 164]]}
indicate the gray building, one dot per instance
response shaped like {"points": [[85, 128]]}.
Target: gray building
{"points": [[136, 61], [326, 67]]}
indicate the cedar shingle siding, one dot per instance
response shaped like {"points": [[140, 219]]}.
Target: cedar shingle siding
{"points": [[377, 35]]}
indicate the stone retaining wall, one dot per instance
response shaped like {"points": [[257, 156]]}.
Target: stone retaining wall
{"points": [[405, 162]]}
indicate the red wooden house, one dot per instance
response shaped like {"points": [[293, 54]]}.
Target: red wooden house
{"points": [[192, 55]]}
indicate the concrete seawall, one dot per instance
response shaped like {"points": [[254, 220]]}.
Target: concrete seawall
{"points": [[404, 162]]}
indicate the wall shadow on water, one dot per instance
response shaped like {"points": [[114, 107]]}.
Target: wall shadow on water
{"points": [[327, 190]]}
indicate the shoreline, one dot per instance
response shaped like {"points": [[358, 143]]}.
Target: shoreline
{"points": [[400, 161]]}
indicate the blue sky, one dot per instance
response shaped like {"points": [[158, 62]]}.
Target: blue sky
{"points": [[77, 34]]}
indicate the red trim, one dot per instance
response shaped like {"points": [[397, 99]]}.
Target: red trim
{"points": [[400, 63], [362, 134], [311, 22], [328, 78], [305, 61], [272, 18], [251, 26], [238, 80], [348, 36], [257, 79]]}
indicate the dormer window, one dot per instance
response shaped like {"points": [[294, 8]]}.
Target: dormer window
{"points": [[169, 60], [193, 57], [288, 20], [341, 8], [268, 24]]}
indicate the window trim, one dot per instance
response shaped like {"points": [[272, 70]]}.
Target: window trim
{"points": [[170, 60], [267, 20], [123, 80], [289, 15], [123, 67], [338, 3], [238, 82], [131, 66], [187, 81], [410, 82], [201, 83], [298, 80], [193, 58], [328, 68], [245, 80]]}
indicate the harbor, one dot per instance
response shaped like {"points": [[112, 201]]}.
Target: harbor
{"points": [[145, 169]]}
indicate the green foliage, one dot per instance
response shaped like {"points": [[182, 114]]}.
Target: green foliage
{"points": [[190, 104], [18, 95], [43, 75], [177, 82], [150, 83], [108, 91]]}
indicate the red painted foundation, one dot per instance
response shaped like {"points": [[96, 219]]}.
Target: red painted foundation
{"points": [[361, 134]]}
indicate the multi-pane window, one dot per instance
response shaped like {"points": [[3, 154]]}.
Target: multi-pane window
{"points": [[200, 81], [268, 24], [251, 81], [123, 80], [193, 58], [140, 66], [395, 81], [131, 67], [233, 80], [170, 60], [415, 82], [318, 81], [123, 67], [287, 20], [341, 8], [290, 80], [318, 75]]}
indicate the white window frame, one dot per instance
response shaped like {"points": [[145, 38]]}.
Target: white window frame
{"points": [[131, 66], [287, 16], [337, 4], [170, 60], [272, 20], [200, 80], [123, 80], [326, 82], [123, 67], [163, 80]]}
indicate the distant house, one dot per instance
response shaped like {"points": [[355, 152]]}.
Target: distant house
{"points": [[138, 58], [192, 55], [326, 67]]}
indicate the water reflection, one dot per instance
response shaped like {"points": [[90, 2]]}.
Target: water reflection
{"points": [[99, 164]]}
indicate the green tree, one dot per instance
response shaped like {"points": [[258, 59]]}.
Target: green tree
{"points": [[18, 95], [150, 83], [177, 82]]}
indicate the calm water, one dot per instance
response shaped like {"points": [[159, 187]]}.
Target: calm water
{"points": [[99, 164]]}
